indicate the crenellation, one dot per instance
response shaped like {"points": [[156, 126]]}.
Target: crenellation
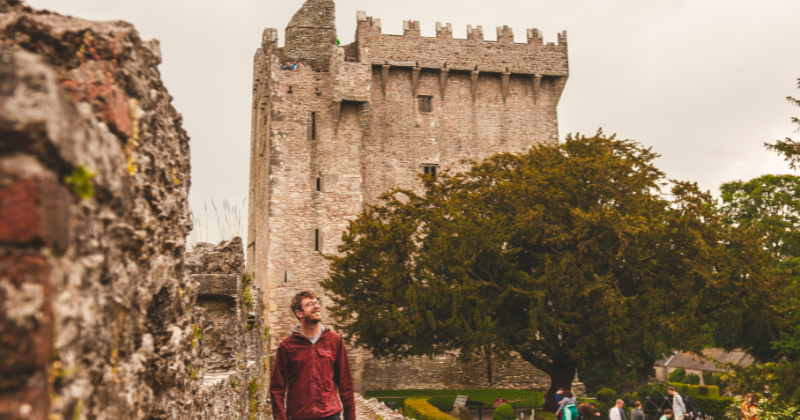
{"points": [[535, 36], [384, 107], [562, 39], [411, 28], [475, 33], [445, 31], [505, 34]]}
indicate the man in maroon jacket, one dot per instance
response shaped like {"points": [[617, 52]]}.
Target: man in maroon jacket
{"points": [[310, 365]]}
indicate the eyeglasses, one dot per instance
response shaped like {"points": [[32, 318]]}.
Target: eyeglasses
{"points": [[313, 303]]}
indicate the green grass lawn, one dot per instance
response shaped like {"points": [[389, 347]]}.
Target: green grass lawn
{"points": [[443, 399]]}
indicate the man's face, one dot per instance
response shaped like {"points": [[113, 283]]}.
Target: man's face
{"points": [[312, 312], [671, 392], [619, 405]]}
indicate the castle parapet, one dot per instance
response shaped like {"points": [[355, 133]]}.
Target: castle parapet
{"points": [[471, 54]]}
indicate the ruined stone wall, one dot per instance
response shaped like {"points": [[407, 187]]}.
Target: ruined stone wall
{"points": [[325, 144], [233, 377], [97, 312]]}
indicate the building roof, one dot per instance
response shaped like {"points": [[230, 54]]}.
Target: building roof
{"points": [[709, 361]]}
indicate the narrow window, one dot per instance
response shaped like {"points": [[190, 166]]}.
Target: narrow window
{"points": [[313, 126], [319, 184], [425, 103], [286, 277], [316, 240]]}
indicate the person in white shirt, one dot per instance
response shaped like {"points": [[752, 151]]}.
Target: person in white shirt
{"points": [[677, 404], [616, 412]]}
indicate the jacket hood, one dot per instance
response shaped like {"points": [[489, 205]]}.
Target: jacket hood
{"points": [[296, 329]]}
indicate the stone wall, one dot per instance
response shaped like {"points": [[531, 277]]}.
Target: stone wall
{"points": [[325, 144], [233, 374], [98, 315]]}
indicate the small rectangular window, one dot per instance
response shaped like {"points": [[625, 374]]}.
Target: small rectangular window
{"points": [[286, 277], [425, 103], [316, 240], [313, 126], [319, 184], [430, 169]]}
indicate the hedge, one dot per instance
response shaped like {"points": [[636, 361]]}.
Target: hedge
{"points": [[713, 406], [686, 390], [420, 409]]}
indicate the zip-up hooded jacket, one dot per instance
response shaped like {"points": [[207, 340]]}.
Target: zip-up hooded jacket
{"points": [[305, 378]]}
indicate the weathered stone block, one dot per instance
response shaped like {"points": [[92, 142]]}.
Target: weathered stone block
{"points": [[34, 210]]}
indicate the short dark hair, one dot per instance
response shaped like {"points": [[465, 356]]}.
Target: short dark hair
{"points": [[668, 411], [297, 301], [672, 388], [567, 394], [637, 404]]}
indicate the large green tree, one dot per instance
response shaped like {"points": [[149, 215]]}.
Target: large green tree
{"points": [[564, 255], [770, 205]]}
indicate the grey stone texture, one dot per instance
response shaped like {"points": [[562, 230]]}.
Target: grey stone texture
{"points": [[99, 318], [325, 144]]}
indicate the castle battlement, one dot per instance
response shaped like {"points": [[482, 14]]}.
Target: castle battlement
{"points": [[505, 34]]}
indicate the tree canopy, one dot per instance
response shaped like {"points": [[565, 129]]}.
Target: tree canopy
{"points": [[789, 148], [564, 255]]}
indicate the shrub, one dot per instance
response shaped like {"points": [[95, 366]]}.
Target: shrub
{"points": [[677, 375], [606, 395], [420, 409], [545, 415], [692, 379], [504, 412], [713, 406]]}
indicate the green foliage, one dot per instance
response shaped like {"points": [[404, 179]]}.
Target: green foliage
{"points": [[677, 375], [508, 254], [193, 371], [777, 410], [713, 406], [77, 409], [545, 415], [253, 388], [81, 182], [504, 412], [606, 395], [780, 376], [789, 148], [692, 379], [420, 409], [198, 335]]}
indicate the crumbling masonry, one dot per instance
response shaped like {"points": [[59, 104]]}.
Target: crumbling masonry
{"points": [[383, 110]]}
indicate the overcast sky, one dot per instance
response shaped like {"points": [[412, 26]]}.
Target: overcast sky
{"points": [[703, 82]]}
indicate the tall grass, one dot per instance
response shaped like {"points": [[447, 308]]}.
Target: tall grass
{"points": [[227, 219]]}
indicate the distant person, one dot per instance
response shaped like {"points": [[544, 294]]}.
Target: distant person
{"points": [[564, 399], [677, 403], [303, 64], [749, 409], [616, 412], [586, 411], [311, 377], [294, 65], [558, 397], [767, 393], [285, 65], [637, 413], [568, 408], [667, 415]]}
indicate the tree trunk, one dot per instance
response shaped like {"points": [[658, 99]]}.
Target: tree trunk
{"points": [[489, 363], [561, 376], [645, 368]]}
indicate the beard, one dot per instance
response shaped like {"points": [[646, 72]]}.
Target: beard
{"points": [[310, 319]]}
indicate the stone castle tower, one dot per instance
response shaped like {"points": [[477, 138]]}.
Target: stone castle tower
{"points": [[383, 110]]}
